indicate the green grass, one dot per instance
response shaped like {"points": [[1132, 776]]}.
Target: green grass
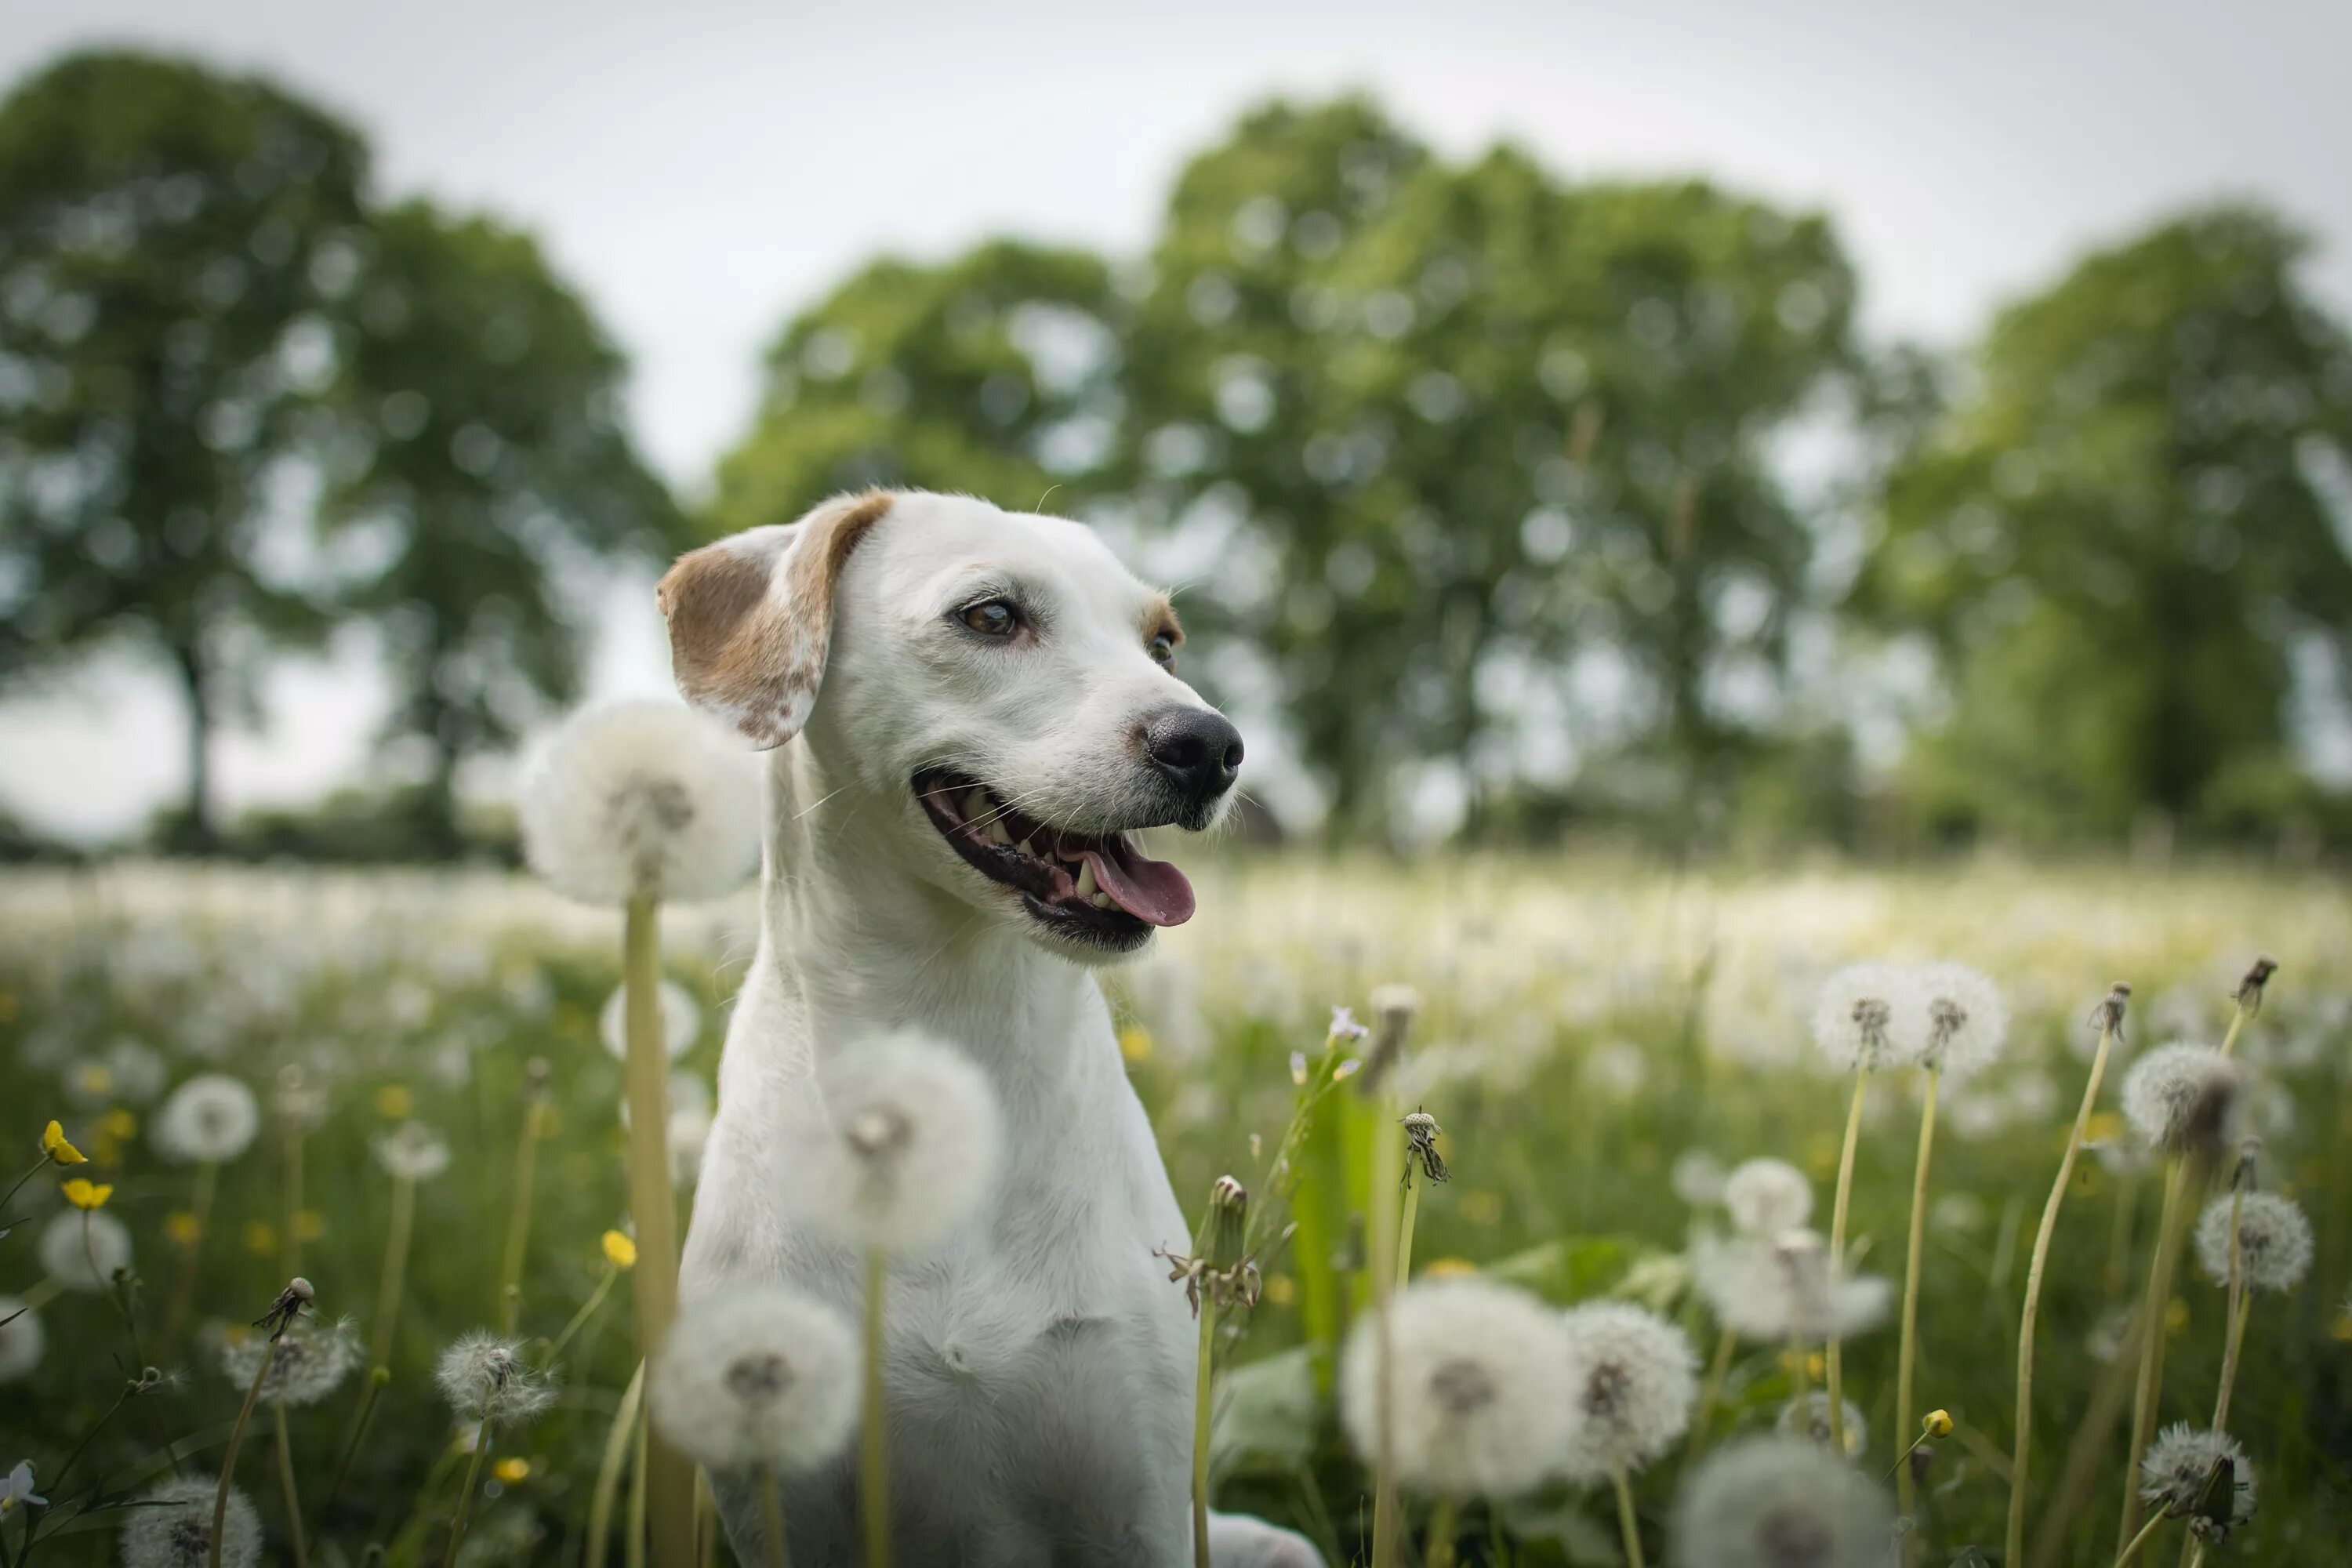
{"points": [[1586, 1024]]}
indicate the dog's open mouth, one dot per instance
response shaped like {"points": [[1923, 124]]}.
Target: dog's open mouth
{"points": [[1096, 885]]}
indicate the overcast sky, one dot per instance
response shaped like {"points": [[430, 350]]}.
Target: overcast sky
{"points": [[699, 168]]}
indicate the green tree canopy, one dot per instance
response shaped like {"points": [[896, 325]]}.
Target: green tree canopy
{"points": [[2121, 537], [172, 243], [486, 469], [990, 373]]}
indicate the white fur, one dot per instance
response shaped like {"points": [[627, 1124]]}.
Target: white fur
{"points": [[1040, 1368]]}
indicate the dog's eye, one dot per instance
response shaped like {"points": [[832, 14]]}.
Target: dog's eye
{"points": [[990, 617], [1162, 649]]}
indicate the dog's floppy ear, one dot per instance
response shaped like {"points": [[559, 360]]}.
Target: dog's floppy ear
{"points": [[750, 618]]}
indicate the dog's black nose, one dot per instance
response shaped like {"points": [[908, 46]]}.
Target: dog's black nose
{"points": [[1198, 751]]}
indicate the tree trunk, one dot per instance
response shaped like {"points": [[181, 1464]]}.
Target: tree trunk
{"points": [[195, 832]]}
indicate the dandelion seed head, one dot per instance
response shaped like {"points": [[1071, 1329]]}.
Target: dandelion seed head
{"points": [[1770, 1291], [756, 1375], [486, 1377], [1808, 1418], [1482, 1404], [2180, 1466], [82, 1262], [1698, 1179], [1779, 1502], [1766, 1197], [1635, 1379], [907, 1146], [2274, 1241], [412, 1152], [209, 1119], [22, 1338], [307, 1362], [2180, 1097], [681, 1020], [1966, 1023], [172, 1527], [642, 799], [1868, 1015]]}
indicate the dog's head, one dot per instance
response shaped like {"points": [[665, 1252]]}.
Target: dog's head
{"points": [[997, 680]]}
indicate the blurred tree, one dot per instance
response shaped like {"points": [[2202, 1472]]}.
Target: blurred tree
{"points": [[991, 373], [2125, 537], [172, 245], [485, 461], [1487, 461]]}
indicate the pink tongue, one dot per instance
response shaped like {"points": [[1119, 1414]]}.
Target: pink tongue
{"points": [[1150, 890]]}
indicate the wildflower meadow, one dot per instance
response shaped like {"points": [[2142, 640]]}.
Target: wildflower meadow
{"points": [[1974, 1215]]}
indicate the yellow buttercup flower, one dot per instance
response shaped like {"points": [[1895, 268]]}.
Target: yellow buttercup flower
{"points": [[513, 1472], [309, 1224], [85, 1195], [1281, 1290], [260, 1239], [619, 1250], [1448, 1269], [53, 1144], [1135, 1044], [119, 1124], [1938, 1423], [182, 1228], [394, 1102], [96, 1078]]}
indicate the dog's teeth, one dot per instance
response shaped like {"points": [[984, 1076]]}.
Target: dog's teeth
{"points": [[1028, 848], [974, 802], [1086, 880], [1101, 900], [997, 834]]}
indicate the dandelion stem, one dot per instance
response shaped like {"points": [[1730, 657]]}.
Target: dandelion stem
{"points": [[2131, 1548], [1387, 1181], [228, 1457], [370, 1389], [2146, 1391], [2119, 1239], [1404, 1228], [874, 1482], [1800, 1372], [1908, 1352], [772, 1510], [653, 1209], [1717, 1370], [1203, 1410], [633, 1543], [286, 1486], [2230, 1357], [1444, 1515], [19, 1184], [508, 1306], [184, 1288], [1837, 1258], [395, 1269], [608, 1470], [2110, 1019], [1627, 1524], [466, 1492], [580, 1318]]}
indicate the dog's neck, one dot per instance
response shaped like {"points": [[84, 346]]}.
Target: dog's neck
{"points": [[860, 943]]}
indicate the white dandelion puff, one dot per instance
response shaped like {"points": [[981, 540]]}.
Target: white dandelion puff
{"points": [[2179, 1096], [1634, 1378], [1772, 1291], [1868, 1015], [84, 1260], [1697, 1177], [1810, 1418], [906, 1147], [486, 1378], [22, 1338], [2274, 1241], [172, 1527], [681, 1020], [307, 1362], [756, 1375], [2180, 1468], [412, 1152], [209, 1119], [1966, 1021], [1779, 1502], [642, 799], [1766, 1197], [1481, 1402]]}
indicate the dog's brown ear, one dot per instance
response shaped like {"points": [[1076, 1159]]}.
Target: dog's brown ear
{"points": [[750, 618]]}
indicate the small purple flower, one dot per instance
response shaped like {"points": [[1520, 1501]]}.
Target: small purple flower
{"points": [[1344, 1026]]}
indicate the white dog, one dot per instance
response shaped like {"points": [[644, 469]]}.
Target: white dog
{"points": [[923, 648]]}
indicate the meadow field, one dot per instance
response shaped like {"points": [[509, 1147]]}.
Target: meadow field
{"points": [[1601, 1040]]}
